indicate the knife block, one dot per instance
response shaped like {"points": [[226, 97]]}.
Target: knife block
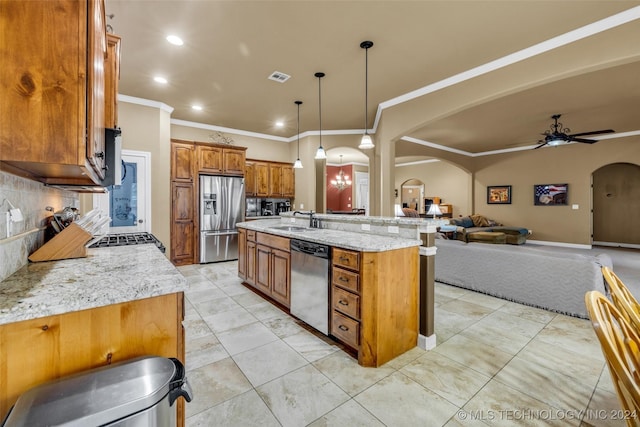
{"points": [[69, 243]]}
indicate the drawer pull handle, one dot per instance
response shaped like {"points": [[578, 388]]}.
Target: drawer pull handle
{"points": [[343, 259], [343, 328], [343, 279], [343, 302]]}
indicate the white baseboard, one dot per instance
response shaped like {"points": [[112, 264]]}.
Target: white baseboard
{"points": [[561, 244], [617, 245], [427, 343]]}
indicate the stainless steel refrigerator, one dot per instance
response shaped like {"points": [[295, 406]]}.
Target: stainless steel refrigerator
{"points": [[221, 207]]}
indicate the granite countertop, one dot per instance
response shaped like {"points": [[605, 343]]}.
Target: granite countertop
{"points": [[343, 239], [106, 276]]}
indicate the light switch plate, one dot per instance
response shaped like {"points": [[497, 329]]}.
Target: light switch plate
{"points": [[575, 207]]}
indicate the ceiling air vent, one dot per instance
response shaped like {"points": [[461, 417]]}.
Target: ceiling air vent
{"points": [[279, 77]]}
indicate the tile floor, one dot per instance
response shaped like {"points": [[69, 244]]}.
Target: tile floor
{"points": [[496, 363]]}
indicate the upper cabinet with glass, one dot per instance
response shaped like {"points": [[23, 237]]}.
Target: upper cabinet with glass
{"points": [[53, 92]]}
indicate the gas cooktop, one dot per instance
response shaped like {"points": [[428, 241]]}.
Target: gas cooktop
{"points": [[126, 239]]}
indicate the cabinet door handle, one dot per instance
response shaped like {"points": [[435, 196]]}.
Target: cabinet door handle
{"points": [[343, 279], [343, 259], [343, 302], [343, 328]]}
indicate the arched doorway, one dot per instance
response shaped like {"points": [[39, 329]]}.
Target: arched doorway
{"points": [[412, 195], [616, 201], [355, 165]]}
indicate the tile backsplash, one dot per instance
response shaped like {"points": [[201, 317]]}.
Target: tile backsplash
{"points": [[24, 237]]}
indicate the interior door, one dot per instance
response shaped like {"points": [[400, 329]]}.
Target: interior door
{"points": [[362, 191], [128, 204]]}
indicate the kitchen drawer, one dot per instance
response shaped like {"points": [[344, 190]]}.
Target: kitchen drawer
{"points": [[347, 259], [251, 235], [346, 302], [346, 279], [345, 329], [277, 242]]}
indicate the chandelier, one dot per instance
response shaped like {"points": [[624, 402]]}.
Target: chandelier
{"points": [[342, 181]]}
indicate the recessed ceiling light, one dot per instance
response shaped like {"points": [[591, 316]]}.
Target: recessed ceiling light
{"points": [[279, 124], [197, 107], [159, 79], [175, 40]]}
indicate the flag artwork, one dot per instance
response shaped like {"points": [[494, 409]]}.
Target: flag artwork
{"points": [[550, 194]]}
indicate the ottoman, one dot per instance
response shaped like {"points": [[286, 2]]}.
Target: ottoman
{"points": [[487, 237]]}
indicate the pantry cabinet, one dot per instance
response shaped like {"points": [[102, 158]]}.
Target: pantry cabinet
{"points": [[53, 92]]}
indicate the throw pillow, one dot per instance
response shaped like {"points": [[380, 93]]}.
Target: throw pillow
{"points": [[455, 221], [479, 221], [492, 223], [466, 222]]}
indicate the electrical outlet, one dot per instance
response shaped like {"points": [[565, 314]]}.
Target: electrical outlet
{"points": [[365, 227], [393, 229], [292, 219]]}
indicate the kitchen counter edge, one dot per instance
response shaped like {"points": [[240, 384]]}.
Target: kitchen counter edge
{"points": [[106, 276]]}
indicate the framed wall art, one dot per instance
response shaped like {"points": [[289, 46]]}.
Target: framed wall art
{"points": [[499, 195], [550, 194]]}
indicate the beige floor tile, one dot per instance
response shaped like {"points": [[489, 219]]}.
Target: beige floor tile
{"points": [[283, 326], [605, 382], [245, 337], [399, 401], [267, 362], [503, 331], [463, 418], [344, 371], [445, 377], [248, 299], [484, 300], [454, 292], [232, 287], [405, 358], [203, 351], [552, 387], [265, 310], [604, 411], [530, 313], [449, 323], [301, 396], [215, 306], [309, 346], [350, 414], [465, 308], [215, 383], [483, 358], [582, 367], [246, 410], [572, 333], [230, 319], [198, 295], [500, 405], [195, 328]]}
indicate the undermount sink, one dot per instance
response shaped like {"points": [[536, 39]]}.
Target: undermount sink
{"points": [[291, 228]]}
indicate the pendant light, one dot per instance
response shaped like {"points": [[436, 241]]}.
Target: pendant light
{"points": [[298, 163], [320, 154], [366, 142]]}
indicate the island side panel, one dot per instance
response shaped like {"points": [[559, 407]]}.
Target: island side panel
{"points": [[390, 287], [39, 350]]}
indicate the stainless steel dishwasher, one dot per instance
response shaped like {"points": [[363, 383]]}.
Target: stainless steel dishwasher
{"points": [[310, 283]]}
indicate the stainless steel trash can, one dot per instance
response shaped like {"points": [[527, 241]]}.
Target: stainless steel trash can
{"points": [[135, 393]]}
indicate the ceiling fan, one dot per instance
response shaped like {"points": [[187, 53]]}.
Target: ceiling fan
{"points": [[557, 135]]}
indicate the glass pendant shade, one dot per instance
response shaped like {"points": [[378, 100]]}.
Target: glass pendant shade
{"points": [[366, 142], [297, 164], [320, 154]]}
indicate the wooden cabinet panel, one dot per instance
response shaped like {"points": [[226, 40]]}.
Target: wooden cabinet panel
{"points": [[48, 348], [233, 161], [251, 263], [345, 329], [346, 279], [250, 179], [277, 242], [54, 103], [182, 223], [262, 179], [275, 180], [263, 269], [281, 276], [209, 159], [182, 247], [112, 78], [288, 181], [182, 162], [183, 202], [346, 302], [242, 249]]}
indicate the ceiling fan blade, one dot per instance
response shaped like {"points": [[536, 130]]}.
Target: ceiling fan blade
{"points": [[595, 132], [541, 145], [587, 141]]}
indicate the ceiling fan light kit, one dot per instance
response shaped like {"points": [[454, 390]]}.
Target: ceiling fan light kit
{"points": [[558, 134]]}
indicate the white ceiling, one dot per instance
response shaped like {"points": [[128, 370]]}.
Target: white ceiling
{"points": [[231, 47]]}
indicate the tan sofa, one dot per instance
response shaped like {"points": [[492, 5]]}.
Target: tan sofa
{"points": [[488, 231]]}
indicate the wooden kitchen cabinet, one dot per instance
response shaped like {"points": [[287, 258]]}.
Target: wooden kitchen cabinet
{"points": [[242, 249], [183, 204], [48, 348], [273, 267], [53, 92], [209, 159], [249, 179], [262, 179], [112, 78], [288, 181], [275, 180], [233, 161]]}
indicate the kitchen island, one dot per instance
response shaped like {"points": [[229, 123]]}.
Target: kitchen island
{"points": [[372, 283], [62, 317]]}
